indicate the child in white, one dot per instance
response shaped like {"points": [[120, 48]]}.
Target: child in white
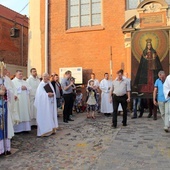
{"points": [[91, 100]]}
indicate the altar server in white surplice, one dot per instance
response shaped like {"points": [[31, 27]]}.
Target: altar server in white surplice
{"points": [[33, 81], [23, 102], [13, 116], [12, 99], [105, 86], [45, 103]]}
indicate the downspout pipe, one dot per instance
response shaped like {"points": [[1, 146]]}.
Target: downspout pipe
{"points": [[46, 36], [22, 47]]}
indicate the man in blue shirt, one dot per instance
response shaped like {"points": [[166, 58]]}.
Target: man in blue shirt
{"points": [[159, 98]]}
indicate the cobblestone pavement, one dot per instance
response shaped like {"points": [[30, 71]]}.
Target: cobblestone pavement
{"points": [[87, 144]]}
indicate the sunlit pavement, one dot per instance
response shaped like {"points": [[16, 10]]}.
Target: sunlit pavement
{"points": [[87, 144]]}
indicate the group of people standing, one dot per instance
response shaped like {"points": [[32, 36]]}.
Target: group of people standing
{"points": [[31, 102], [159, 100], [34, 102], [113, 94], [116, 93], [24, 104]]}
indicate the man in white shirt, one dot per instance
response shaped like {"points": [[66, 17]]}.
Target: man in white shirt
{"points": [[33, 81], [121, 95], [166, 91]]}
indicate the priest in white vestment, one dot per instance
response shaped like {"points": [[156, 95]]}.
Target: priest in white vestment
{"points": [[7, 125], [33, 81], [166, 90], [45, 103], [105, 86], [23, 103]]}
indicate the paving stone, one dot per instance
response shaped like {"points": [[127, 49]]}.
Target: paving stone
{"points": [[87, 144]]}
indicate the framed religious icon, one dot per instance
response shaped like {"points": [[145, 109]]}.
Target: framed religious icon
{"points": [[150, 54]]}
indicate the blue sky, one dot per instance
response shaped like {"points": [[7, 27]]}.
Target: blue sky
{"points": [[16, 5]]}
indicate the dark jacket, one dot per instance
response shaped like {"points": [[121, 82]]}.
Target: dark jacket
{"points": [[59, 85]]}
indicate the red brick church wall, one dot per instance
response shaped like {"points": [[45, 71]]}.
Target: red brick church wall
{"points": [[85, 48]]}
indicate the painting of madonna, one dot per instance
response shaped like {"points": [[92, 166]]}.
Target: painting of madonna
{"points": [[148, 69]]}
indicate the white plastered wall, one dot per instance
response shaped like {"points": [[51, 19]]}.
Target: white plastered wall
{"points": [[34, 40]]}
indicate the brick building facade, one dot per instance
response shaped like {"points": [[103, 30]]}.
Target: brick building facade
{"points": [[88, 47], [73, 42], [13, 37]]}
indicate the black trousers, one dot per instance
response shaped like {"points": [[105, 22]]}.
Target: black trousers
{"points": [[68, 99], [123, 101], [72, 104], [152, 108]]}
